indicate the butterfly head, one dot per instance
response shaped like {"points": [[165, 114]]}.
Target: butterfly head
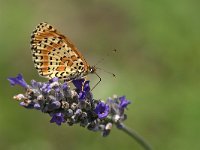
{"points": [[92, 69]]}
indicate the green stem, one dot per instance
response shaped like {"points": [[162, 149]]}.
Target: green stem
{"points": [[136, 136]]}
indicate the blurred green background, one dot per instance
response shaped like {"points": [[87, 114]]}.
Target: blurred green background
{"points": [[157, 67]]}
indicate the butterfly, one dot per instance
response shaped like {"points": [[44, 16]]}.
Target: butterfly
{"points": [[54, 55]]}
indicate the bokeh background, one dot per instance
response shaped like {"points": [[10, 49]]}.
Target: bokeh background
{"points": [[157, 67]]}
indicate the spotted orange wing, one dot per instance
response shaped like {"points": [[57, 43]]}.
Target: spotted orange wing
{"points": [[55, 56]]}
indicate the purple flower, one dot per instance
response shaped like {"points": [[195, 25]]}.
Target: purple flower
{"points": [[86, 86], [58, 118], [123, 102], [102, 110], [37, 106], [34, 84], [18, 80], [54, 105], [46, 88], [78, 84], [64, 86], [55, 79], [82, 95], [27, 104], [82, 87]]}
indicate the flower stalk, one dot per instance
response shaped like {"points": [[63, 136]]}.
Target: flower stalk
{"points": [[135, 136]]}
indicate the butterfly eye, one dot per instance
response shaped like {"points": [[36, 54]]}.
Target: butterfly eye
{"points": [[92, 69]]}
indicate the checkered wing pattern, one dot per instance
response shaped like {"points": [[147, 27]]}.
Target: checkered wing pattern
{"points": [[55, 56]]}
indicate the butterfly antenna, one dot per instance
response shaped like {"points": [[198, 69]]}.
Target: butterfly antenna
{"points": [[107, 71], [98, 62], [97, 82], [108, 54]]}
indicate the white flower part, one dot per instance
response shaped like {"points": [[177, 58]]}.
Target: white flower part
{"points": [[115, 96], [65, 105], [116, 118], [40, 97], [19, 97], [108, 126], [73, 93]]}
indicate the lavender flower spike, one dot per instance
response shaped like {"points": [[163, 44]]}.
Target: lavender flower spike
{"points": [[67, 105]]}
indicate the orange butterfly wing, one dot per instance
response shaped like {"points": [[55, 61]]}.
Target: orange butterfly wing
{"points": [[55, 56]]}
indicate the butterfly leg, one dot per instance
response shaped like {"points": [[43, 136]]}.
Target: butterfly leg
{"points": [[97, 82], [85, 79]]}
